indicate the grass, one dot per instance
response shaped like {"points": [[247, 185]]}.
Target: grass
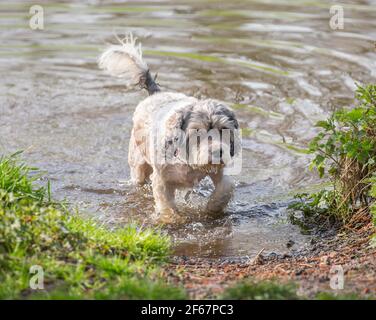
{"points": [[18, 180], [348, 296], [80, 258], [271, 290], [264, 290]]}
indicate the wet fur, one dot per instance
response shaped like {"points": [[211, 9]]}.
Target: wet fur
{"points": [[165, 112], [170, 111]]}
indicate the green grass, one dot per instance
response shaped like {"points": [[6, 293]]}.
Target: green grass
{"points": [[264, 290], [332, 296], [18, 180], [80, 258], [271, 290]]}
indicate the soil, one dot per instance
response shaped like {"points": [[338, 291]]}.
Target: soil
{"points": [[309, 269]]}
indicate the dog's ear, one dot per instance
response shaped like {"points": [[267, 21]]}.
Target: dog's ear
{"points": [[236, 123], [175, 129], [174, 132], [228, 113], [231, 117], [178, 120]]}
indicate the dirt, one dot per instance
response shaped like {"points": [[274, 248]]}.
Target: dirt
{"points": [[309, 269]]}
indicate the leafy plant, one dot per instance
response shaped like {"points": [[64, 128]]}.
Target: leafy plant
{"points": [[313, 209], [345, 151]]}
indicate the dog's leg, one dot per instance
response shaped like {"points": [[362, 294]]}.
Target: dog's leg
{"points": [[164, 196], [140, 169], [222, 194]]}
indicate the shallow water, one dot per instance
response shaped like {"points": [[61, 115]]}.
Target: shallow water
{"points": [[276, 61]]}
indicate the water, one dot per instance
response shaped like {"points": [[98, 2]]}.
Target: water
{"points": [[276, 61]]}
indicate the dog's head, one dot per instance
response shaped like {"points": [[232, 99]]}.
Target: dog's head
{"points": [[203, 135]]}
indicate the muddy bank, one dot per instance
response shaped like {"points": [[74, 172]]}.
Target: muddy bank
{"points": [[310, 269]]}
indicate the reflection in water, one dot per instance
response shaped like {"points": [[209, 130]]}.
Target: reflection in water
{"points": [[276, 62]]}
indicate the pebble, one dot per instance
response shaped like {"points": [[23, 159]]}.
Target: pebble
{"points": [[290, 243], [324, 260]]}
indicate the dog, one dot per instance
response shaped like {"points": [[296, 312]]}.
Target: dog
{"points": [[176, 140]]}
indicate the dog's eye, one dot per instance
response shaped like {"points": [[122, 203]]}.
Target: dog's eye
{"points": [[169, 142], [176, 139]]}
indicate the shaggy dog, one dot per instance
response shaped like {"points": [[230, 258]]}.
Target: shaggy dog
{"points": [[176, 140]]}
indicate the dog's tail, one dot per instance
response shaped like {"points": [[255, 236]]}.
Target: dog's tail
{"points": [[125, 61]]}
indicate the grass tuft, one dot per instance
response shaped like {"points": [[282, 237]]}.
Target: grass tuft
{"points": [[264, 290], [331, 296], [18, 179], [80, 258]]}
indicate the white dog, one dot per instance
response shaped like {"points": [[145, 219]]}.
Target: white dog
{"points": [[176, 140]]}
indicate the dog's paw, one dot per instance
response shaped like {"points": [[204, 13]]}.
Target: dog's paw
{"points": [[214, 211], [170, 216]]}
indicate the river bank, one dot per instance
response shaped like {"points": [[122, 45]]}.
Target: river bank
{"points": [[310, 270], [80, 259]]}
